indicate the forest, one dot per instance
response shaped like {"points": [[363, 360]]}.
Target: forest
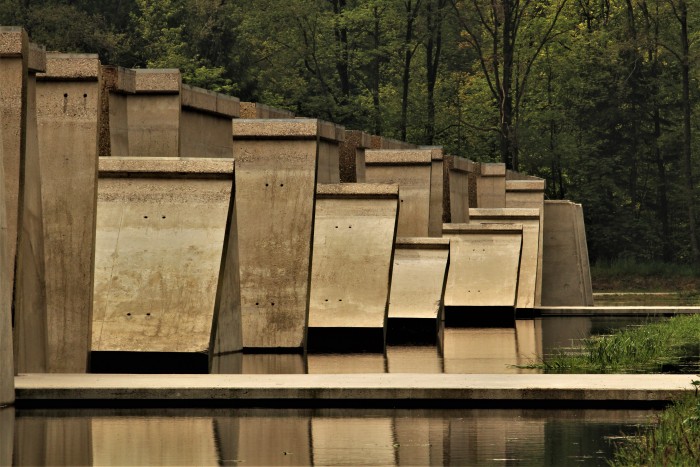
{"points": [[598, 97]]}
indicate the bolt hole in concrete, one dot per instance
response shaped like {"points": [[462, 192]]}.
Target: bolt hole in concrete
{"points": [[163, 217], [128, 314], [272, 303], [84, 95], [65, 95], [148, 314], [145, 217], [281, 184]]}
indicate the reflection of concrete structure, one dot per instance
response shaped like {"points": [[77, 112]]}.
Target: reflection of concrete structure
{"points": [[273, 363], [418, 288], [166, 277], [7, 434], [566, 273], [413, 359], [352, 156], [52, 440], [346, 363], [491, 186], [68, 102], [354, 232], [420, 439], [275, 439], [363, 440]]}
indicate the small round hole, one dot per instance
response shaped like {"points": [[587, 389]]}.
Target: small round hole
{"points": [[336, 226], [267, 184], [145, 217], [257, 303], [273, 303], [281, 184], [163, 217], [84, 95], [128, 314], [65, 95], [148, 314], [340, 299], [326, 299], [349, 226]]}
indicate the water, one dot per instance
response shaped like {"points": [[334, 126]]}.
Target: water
{"points": [[314, 436]]}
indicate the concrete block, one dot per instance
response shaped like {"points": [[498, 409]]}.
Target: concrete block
{"points": [[157, 80], [484, 264], [382, 142], [329, 153], [352, 156], [491, 186], [529, 287], [256, 110], [153, 116], [412, 171], [276, 163], [68, 114], [166, 276], [436, 191], [204, 131], [460, 181], [227, 105], [418, 289], [354, 232], [566, 273]]}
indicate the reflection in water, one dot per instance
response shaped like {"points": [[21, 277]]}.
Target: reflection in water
{"points": [[346, 363], [7, 434], [413, 359], [314, 436]]}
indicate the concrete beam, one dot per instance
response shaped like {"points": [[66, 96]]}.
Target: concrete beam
{"points": [[352, 156]]}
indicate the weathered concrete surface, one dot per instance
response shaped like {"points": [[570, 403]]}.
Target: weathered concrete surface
{"points": [[352, 156], [531, 253], [116, 84], [491, 186], [205, 123], [257, 110], [406, 358], [566, 273], [411, 170], [484, 264], [354, 232], [460, 181], [165, 274], [396, 387], [46, 440], [436, 191], [7, 365], [68, 116], [276, 181], [418, 283]]}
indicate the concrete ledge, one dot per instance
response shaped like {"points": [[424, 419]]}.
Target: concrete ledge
{"points": [[616, 310], [435, 152], [198, 98], [74, 67], [504, 214], [36, 59], [356, 190], [13, 39], [398, 157], [157, 80], [252, 110], [227, 105], [525, 185], [323, 388], [359, 138], [284, 128], [422, 243], [481, 228], [461, 164], [115, 167], [492, 170]]}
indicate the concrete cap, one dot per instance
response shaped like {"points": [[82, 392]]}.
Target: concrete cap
{"points": [[422, 243], [283, 128], [257, 110], [481, 228], [460, 164], [436, 151], [492, 169], [339, 133], [119, 79], [165, 167], [525, 185], [13, 41], [227, 105], [157, 80], [357, 190], [198, 98], [398, 156], [36, 59], [360, 139], [79, 67], [504, 213]]}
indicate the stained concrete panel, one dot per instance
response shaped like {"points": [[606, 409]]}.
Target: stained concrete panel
{"points": [[68, 113], [436, 191], [566, 274], [354, 232], [352, 156], [411, 170], [165, 274], [484, 264], [491, 186], [418, 287]]}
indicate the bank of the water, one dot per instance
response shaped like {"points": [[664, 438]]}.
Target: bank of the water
{"points": [[634, 276]]}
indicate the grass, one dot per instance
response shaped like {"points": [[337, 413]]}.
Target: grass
{"points": [[630, 275]]}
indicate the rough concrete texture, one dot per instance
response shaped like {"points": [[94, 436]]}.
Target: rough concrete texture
{"points": [[484, 264], [411, 170], [418, 279], [348, 363], [531, 254], [436, 191], [354, 234], [157, 80], [68, 113], [491, 186], [382, 142], [7, 366], [165, 273], [352, 156], [257, 110], [328, 162], [405, 359], [566, 273], [36, 58], [276, 183]]}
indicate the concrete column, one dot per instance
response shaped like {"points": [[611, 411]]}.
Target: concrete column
{"points": [[329, 154], [117, 84], [205, 123], [257, 110], [68, 117], [436, 191], [354, 232], [491, 186], [352, 156], [411, 170], [7, 364]]}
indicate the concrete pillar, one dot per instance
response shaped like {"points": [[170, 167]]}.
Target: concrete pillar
{"points": [[117, 84], [418, 289], [205, 123], [68, 102], [166, 275], [354, 232], [436, 191], [459, 182], [566, 273], [329, 155], [531, 254], [411, 170], [491, 186], [277, 163], [352, 156], [257, 110]]}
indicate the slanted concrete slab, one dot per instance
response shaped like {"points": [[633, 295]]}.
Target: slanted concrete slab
{"points": [[352, 156], [411, 170], [436, 191], [566, 273], [277, 161], [354, 232], [68, 116], [205, 123], [460, 183], [166, 276], [491, 186], [258, 110], [531, 256], [484, 264], [418, 289]]}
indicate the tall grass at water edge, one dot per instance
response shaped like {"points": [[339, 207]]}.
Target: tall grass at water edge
{"points": [[629, 275]]}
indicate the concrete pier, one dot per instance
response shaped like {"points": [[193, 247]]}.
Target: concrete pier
{"points": [[352, 156], [382, 142], [491, 186]]}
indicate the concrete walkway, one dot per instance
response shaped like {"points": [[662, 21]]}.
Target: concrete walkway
{"points": [[321, 389]]}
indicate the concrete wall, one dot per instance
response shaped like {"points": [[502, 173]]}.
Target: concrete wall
{"points": [[382, 142], [352, 156], [491, 186], [436, 191], [68, 99], [354, 232], [205, 123], [459, 180], [166, 238], [411, 170], [329, 152], [257, 110], [566, 274]]}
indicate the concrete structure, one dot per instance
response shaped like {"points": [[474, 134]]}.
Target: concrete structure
{"points": [[7, 365], [205, 123], [436, 191], [484, 265], [258, 110], [68, 113], [529, 277], [459, 180], [411, 170], [277, 164], [382, 142], [352, 156], [566, 273], [418, 289], [491, 186], [166, 276], [406, 358], [354, 233]]}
